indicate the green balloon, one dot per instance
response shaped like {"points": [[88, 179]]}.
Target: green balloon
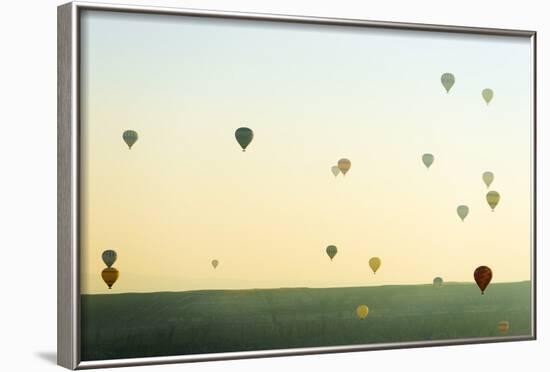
{"points": [[448, 80], [462, 211], [487, 95], [493, 198], [488, 178], [428, 160], [109, 257], [130, 137], [244, 136], [331, 251], [438, 282]]}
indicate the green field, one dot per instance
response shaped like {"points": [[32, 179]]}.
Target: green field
{"points": [[193, 322]]}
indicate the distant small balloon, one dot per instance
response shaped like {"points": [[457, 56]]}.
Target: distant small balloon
{"points": [[331, 251], [483, 276], [110, 276], [428, 160], [335, 170], [448, 80], [362, 311], [488, 178], [215, 263], [130, 137], [244, 136], [493, 198], [487, 95], [375, 263], [462, 211], [503, 326], [109, 257], [344, 165], [438, 282]]}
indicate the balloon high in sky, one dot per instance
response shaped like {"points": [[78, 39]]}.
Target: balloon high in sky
{"points": [[344, 165], [483, 276], [448, 80], [462, 211], [428, 160], [331, 251], [215, 263], [109, 257], [375, 263], [362, 311], [487, 95], [244, 136], [110, 276], [130, 137], [335, 170], [488, 178], [493, 198]]}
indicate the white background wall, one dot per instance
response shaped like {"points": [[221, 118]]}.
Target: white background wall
{"points": [[28, 184]]}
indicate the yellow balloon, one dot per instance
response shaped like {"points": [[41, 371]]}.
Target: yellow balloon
{"points": [[362, 311], [493, 198], [503, 326], [110, 276], [374, 264]]}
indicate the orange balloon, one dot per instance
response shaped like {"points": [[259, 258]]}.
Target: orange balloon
{"points": [[110, 276], [483, 276]]}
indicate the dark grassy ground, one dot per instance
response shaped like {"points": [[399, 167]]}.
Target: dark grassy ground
{"points": [[179, 323]]}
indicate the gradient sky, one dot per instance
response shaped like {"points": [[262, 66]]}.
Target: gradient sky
{"points": [[186, 193]]}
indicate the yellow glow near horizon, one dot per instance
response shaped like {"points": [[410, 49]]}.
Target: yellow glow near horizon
{"points": [[186, 194]]}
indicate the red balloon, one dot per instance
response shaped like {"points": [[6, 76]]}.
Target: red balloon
{"points": [[483, 276]]}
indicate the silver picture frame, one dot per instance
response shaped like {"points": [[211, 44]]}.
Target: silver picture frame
{"points": [[68, 180]]}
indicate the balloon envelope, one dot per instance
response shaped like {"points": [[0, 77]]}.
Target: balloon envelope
{"points": [[244, 136], [362, 311], [493, 198], [215, 263], [428, 160], [375, 263], [462, 211], [130, 137], [503, 326], [483, 276], [438, 282], [487, 95], [448, 80], [344, 165], [331, 251], [488, 178], [335, 170], [109, 257], [110, 276]]}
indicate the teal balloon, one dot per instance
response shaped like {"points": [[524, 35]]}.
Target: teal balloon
{"points": [[462, 211], [331, 251], [428, 160], [448, 80], [244, 136], [109, 257], [130, 137]]}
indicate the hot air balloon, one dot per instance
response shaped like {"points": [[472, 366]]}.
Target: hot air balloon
{"points": [[344, 165], [109, 257], [374, 264], [130, 137], [438, 282], [335, 170], [362, 311], [428, 160], [503, 326], [462, 211], [487, 95], [215, 263], [244, 136], [493, 198], [483, 276], [331, 251], [488, 178], [448, 80], [110, 276]]}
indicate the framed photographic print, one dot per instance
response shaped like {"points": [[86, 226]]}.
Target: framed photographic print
{"points": [[235, 185]]}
